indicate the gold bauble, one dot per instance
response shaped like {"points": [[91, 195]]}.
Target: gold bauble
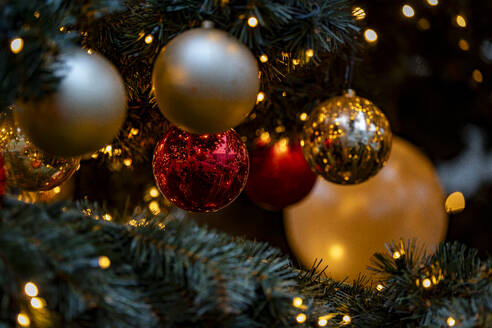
{"points": [[205, 81], [347, 139], [27, 167], [84, 114], [345, 225]]}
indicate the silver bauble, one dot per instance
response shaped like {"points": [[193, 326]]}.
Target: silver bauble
{"points": [[83, 114], [205, 81], [347, 139]]}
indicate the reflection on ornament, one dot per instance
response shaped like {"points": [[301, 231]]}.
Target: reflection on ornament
{"points": [[201, 173], [85, 112], [345, 225], [279, 175], [205, 81], [27, 167], [346, 139]]}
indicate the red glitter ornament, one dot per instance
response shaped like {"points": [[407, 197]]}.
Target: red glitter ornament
{"points": [[201, 173], [280, 176], [3, 178]]}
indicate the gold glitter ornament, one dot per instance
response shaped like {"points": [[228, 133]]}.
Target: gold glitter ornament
{"points": [[27, 167], [347, 139]]}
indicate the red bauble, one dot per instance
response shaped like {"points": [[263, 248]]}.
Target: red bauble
{"points": [[201, 173], [279, 176]]}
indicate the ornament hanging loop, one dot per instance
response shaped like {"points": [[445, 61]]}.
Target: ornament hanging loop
{"points": [[349, 73]]}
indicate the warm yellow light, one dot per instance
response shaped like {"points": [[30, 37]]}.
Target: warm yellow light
{"points": [[455, 203], [370, 35], [148, 39], [62, 28], [477, 76], [108, 148], [408, 11], [337, 251], [426, 283], [134, 131], [127, 162], [301, 318], [379, 287], [153, 192], [346, 319], [31, 289], [154, 207], [295, 61], [252, 21], [57, 190], [37, 14], [38, 303], [423, 24], [396, 255], [263, 58], [107, 217], [90, 51], [433, 2], [265, 137], [104, 262], [297, 302], [260, 97], [16, 45], [358, 13], [463, 44], [23, 320], [322, 322], [303, 116], [451, 322], [460, 20], [310, 53]]}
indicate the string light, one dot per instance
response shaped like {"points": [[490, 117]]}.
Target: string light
{"points": [[301, 318], [38, 303], [263, 58], [463, 44], [104, 262], [16, 45], [396, 255], [379, 287], [90, 51], [322, 322], [358, 13], [127, 162], [57, 190], [408, 11], [451, 322], [303, 116], [433, 2], [423, 24], [252, 21], [154, 207], [426, 283], [148, 39], [265, 137], [31, 289], [296, 61], [297, 301], [37, 14], [310, 53], [153, 192], [107, 217], [455, 203], [477, 76], [460, 20], [23, 320], [260, 97], [346, 319], [370, 35]]}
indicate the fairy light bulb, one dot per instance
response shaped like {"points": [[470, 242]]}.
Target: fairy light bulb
{"points": [[433, 2], [426, 283], [301, 318], [379, 287], [322, 322], [451, 322], [396, 255], [16, 45], [38, 303], [464, 45], [358, 13], [477, 76], [154, 207], [252, 21], [346, 319], [23, 320], [309, 53], [455, 203], [263, 58], [370, 35], [104, 262], [460, 20], [297, 302], [408, 11], [148, 39], [260, 97], [303, 116], [31, 289], [153, 192], [107, 217]]}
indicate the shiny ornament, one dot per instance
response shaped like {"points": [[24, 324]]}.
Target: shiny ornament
{"points": [[347, 139], [83, 114], [205, 81], [201, 173], [345, 225], [279, 175], [27, 167]]}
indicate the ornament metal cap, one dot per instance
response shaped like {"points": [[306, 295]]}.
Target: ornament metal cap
{"points": [[208, 24], [349, 93]]}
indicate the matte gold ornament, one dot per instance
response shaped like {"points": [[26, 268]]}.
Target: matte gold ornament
{"points": [[345, 225], [347, 139], [205, 81], [27, 167], [84, 114]]}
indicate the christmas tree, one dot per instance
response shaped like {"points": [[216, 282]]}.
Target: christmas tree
{"points": [[126, 123]]}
